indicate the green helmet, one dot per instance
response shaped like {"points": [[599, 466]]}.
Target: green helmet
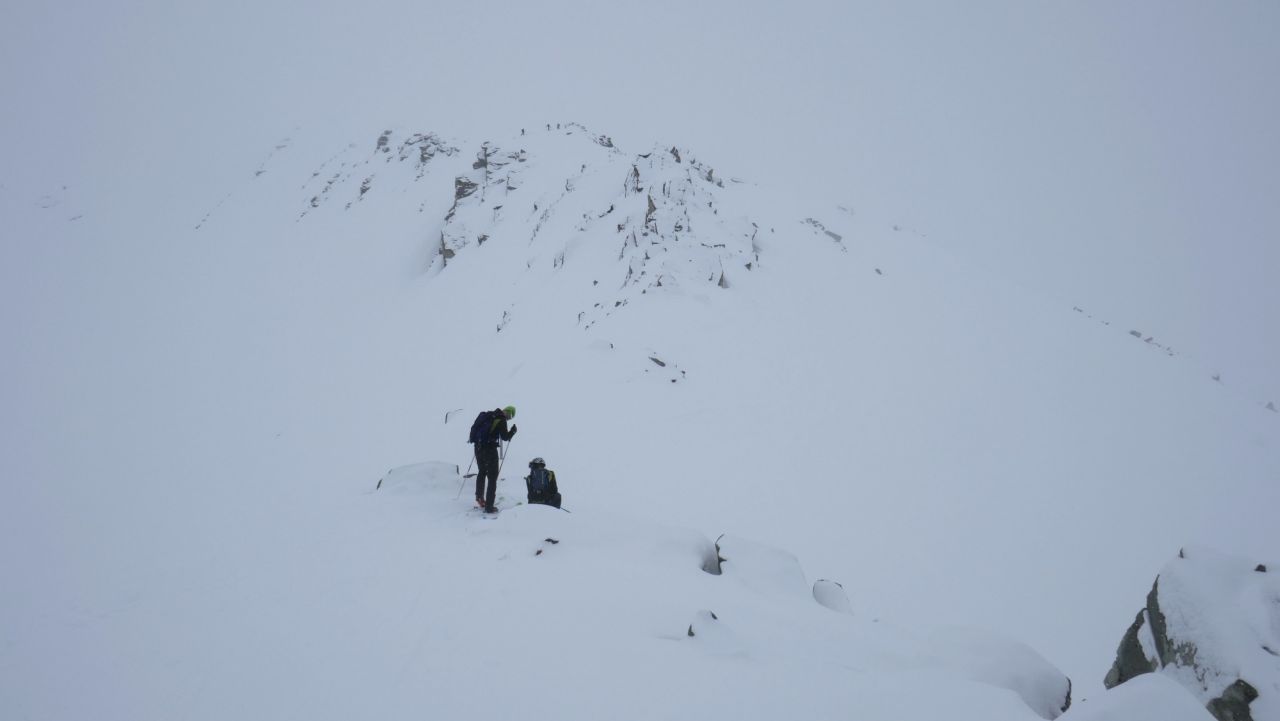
{"points": [[510, 411]]}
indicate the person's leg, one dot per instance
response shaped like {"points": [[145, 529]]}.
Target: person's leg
{"points": [[491, 489], [487, 478]]}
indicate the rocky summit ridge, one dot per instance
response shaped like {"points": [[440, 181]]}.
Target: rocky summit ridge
{"points": [[559, 194]]}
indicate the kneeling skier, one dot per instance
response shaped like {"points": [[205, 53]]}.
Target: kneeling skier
{"points": [[541, 483]]}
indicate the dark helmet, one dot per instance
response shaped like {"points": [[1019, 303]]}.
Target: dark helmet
{"points": [[537, 463]]}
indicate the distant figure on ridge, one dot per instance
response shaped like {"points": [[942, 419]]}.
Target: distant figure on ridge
{"points": [[487, 432], [541, 483]]}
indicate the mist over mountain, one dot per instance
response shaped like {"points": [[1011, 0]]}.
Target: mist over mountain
{"points": [[1116, 157], [686, 347], [937, 333]]}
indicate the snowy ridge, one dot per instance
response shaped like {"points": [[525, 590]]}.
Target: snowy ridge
{"points": [[566, 197], [692, 351], [705, 623], [336, 176], [649, 210], [564, 192]]}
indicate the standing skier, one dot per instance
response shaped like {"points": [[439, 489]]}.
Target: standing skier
{"points": [[489, 429]]}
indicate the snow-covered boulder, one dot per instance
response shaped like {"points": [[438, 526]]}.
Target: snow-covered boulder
{"points": [[990, 659], [762, 568], [1153, 697], [421, 477], [714, 635], [831, 594], [1212, 623]]}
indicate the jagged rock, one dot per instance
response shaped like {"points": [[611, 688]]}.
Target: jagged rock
{"points": [[632, 183], [666, 210], [1131, 656], [818, 225], [1233, 704], [1209, 623], [462, 187], [446, 253], [712, 562]]}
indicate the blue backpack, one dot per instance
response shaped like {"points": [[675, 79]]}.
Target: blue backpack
{"points": [[539, 481]]}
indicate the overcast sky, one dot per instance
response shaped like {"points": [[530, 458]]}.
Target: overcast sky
{"points": [[1122, 156]]}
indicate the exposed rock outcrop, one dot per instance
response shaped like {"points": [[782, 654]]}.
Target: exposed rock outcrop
{"points": [[1210, 622], [556, 200], [337, 176]]}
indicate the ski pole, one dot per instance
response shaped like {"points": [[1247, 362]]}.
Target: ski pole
{"points": [[503, 459], [464, 478]]}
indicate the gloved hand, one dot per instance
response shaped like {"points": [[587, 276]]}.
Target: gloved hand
{"points": [[514, 428]]}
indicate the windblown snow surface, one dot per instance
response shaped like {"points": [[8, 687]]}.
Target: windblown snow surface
{"points": [[196, 426]]}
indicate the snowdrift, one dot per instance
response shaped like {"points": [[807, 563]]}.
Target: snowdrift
{"points": [[661, 620]]}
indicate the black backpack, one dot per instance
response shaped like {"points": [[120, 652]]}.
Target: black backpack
{"points": [[482, 429], [539, 481]]}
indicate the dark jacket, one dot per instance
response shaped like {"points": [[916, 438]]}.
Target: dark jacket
{"points": [[499, 428]]}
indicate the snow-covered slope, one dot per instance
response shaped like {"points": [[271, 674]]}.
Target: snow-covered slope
{"points": [[1153, 696], [195, 423], [601, 614]]}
